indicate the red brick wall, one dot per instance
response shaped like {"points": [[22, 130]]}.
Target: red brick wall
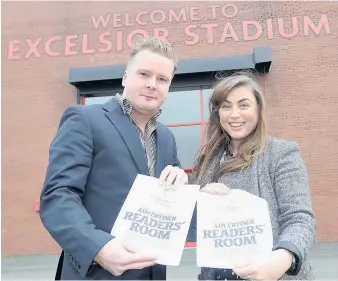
{"points": [[300, 89]]}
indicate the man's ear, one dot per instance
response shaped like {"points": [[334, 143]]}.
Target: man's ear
{"points": [[124, 78]]}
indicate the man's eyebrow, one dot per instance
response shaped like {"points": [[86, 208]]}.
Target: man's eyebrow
{"points": [[148, 71]]}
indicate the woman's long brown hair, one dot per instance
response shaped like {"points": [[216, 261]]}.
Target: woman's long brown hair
{"points": [[217, 139]]}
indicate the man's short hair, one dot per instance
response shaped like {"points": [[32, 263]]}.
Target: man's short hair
{"points": [[155, 45]]}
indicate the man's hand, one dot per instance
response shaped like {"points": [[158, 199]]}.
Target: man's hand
{"points": [[173, 176], [271, 267], [216, 188], [117, 258]]}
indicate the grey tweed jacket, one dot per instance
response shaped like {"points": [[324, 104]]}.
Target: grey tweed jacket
{"points": [[279, 176]]}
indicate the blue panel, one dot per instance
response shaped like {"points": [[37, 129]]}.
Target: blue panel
{"points": [[181, 107], [188, 139]]}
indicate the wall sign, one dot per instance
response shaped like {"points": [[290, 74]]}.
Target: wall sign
{"points": [[213, 24]]}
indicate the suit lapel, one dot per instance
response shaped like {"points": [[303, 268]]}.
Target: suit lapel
{"points": [[161, 150], [128, 133]]}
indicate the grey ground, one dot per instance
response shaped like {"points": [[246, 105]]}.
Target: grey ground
{"points": [[324, 257]]}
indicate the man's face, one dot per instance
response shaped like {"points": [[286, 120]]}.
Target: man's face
{"points": [[147, 80]]}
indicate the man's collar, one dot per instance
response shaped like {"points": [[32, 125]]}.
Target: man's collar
{"points": [[127, 107]]}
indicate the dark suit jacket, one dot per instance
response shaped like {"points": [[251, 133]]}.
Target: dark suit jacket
{"points": [[94, 159]]}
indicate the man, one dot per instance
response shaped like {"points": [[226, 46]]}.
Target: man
{"points": [[94, 159]]}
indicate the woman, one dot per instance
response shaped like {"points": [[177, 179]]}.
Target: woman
{"points": [[240, 154]]}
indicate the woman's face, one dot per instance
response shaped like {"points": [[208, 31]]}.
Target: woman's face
{"points": [[239, 113]]}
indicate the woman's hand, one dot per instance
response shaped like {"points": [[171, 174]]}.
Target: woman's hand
{"points": [[271, 267], [216, 188]]}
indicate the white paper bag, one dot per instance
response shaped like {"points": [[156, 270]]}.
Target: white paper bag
{"points": [[156, 220], [232, 229]]}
